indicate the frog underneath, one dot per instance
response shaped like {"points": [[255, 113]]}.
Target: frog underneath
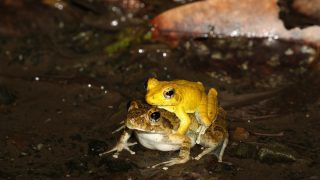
{"points": [[182, 97], [155, 129]]}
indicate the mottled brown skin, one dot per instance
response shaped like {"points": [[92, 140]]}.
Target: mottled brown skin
{"points": [[159, 133]]}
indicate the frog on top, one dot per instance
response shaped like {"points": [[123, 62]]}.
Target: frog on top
{"points": [[182, 97]]}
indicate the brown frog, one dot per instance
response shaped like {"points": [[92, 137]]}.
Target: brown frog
{"points": [[155, 129]]}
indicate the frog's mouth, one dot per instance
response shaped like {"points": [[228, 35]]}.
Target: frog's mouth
{"points": [[148, 132], [149, 100], [142, 130]]}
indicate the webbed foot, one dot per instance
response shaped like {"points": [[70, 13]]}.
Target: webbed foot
{"points": [[118, 148]]}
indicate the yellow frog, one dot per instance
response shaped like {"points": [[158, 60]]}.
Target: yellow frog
{"points": [[182, 97]]}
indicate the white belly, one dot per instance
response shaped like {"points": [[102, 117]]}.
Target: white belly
{"points": [[156, 141]]}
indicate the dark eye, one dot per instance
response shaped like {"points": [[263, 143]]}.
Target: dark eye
{"points": [[155, 116], [168, 94]]}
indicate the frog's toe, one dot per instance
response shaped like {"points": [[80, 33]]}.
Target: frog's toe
{"points": [[198, 140], [131, 144], [165, 168], [205, 151], [172, 162], [175, 161], [118, 148], [197, 157], [128, 149], [119, 129], [115, 155], [107, 152]]}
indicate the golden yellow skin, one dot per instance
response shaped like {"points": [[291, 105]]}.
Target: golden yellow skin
{"points": [[188, 97]]}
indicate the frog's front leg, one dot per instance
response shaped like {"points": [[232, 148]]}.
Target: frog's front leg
{"points": [[122, 144], [185, 121], [184, 154]]}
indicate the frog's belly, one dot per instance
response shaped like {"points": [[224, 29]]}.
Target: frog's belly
{"points": [[156, 141]]}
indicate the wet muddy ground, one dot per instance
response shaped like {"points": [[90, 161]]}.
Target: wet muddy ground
{"points": [[67, 74]]}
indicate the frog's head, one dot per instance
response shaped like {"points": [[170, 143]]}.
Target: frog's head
{"points": [[148, 119], [162, 93]]}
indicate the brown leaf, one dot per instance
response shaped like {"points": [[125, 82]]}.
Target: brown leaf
{"points": [[248, 18], [308, 7]]}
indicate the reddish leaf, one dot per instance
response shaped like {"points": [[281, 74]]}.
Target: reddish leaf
{"points": [[248, 18], [309, 7]]}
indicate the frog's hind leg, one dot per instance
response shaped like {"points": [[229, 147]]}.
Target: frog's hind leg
{"points": [[212, 145], [208, 109], [223, 147], [208, 112], [212, 104], [206, 151]]}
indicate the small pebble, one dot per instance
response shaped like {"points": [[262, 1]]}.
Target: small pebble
{"points": [[240, 134], [39, 146]]}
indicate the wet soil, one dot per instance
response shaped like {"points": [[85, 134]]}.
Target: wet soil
{"points": [[64, 88]]}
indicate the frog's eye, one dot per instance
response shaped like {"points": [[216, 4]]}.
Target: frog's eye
{"points": [[155, 116], [168, 93]]}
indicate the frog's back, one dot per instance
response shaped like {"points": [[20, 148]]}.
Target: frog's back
{"points": [[185, 83], [217, 133], [221, 119]]}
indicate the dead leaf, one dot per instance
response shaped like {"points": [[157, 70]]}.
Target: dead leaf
{"points": [[308, 7], [249, 18]]}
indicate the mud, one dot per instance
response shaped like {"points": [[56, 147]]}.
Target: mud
{"points": [[62, 94]]}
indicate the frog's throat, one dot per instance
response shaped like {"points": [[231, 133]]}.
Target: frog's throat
{"points": [[135, 128], [170, 108]]}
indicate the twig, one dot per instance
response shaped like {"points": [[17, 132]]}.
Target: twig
{"points": [[268, 134]]}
